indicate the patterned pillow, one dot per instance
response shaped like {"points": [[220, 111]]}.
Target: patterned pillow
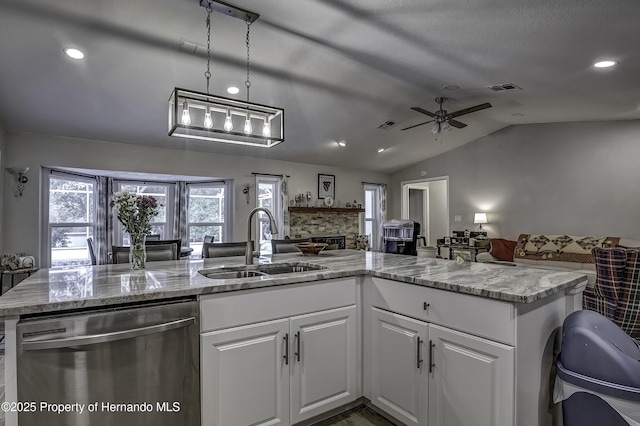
{"points": [[603, 297], [628, 310], [566, 248]]}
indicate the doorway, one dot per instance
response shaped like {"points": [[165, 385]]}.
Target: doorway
{"points": [[427, 201]]}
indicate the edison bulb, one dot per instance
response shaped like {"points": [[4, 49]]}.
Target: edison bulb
{"points": [[247, 126], [266, 130], [186, 117], [208, 121], [228, 125]]}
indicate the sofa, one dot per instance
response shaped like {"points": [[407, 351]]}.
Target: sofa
{"points": [[555, 252]]}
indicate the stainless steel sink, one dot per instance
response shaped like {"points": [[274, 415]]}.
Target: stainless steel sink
{"points": [[225, 274], [247, 271]]}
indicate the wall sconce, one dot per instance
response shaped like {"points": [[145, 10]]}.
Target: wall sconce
{"points": [[21, 177]]}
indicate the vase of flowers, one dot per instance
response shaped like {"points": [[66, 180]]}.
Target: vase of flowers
{"points": [[135, 212]]}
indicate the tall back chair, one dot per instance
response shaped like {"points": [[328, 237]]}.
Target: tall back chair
{"points": [[92, 251], [225, 249], [287, 245], [155, 252], [207, 239]]}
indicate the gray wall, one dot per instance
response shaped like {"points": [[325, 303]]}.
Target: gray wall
{"points": [[3, 177], [22, 215], [578, 178], [438, 223]]}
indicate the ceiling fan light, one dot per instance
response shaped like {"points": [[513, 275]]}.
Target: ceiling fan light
{"points": [[435, 129], [446, 127]]}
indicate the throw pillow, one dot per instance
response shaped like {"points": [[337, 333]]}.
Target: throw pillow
{"points": [[502, 249]]}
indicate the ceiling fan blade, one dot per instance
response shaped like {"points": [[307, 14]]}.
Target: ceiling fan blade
{"points": [[423, 111], [469, 110], [456, 124], [416, 125]]}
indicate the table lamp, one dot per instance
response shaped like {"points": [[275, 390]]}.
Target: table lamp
{"points": [[480, 218]]}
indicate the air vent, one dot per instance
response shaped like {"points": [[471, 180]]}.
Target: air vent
{"points": [[387, 125], [503, 87], [192, 48]]}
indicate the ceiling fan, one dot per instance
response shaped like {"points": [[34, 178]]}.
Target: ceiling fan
{"points": [[443, 120]]}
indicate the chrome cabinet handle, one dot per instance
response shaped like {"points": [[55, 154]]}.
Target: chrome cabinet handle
{"points": [[418, 354], [431, 361], [106, 337], [297, 352], [425, 306], [286, 349]]}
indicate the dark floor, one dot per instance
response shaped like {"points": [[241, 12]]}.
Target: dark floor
{"points": [[361, 416]]}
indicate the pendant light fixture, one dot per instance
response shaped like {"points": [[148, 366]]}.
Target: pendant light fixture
{"points": [[204, 116]]}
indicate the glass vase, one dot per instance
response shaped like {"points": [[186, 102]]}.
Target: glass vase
{"points": [[137, 250]]}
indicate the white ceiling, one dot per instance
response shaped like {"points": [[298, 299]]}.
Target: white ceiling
{"points": [[338, 68]]}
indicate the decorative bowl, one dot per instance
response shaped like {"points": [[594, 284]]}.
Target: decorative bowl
{"points": [[311, 249]]}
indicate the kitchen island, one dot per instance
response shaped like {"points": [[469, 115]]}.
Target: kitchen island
{"points": [[516, 310]]}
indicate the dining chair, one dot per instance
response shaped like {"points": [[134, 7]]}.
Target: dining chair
{"points": [[287, 245], [207, 239], [153, 237], [225, 249], [92, 251], [155, 252]]}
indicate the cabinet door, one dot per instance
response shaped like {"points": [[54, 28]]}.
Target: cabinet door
{"points": [[323, 366], [245, 376], [472, 381], [399, 367]]}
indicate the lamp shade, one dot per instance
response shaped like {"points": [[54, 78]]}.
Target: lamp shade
{"points": [[480, 218]]}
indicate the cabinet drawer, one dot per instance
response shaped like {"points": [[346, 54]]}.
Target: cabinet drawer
{"points": [[250, 306], [490, 318]]}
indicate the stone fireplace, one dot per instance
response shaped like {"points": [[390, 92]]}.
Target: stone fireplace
{"points": [[324, 221]]}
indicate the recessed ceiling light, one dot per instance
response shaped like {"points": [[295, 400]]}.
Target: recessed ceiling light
{"points": [[380, 149], [233, 90], [73, 53], [451, 87], [605, 64], [342, 143]]}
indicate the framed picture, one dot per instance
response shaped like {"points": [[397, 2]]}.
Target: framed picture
{"points": [[326, 186]]}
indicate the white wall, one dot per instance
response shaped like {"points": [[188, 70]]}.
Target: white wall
{"points": [[438, 223], [573, 178], [4, 173], [22, 215]]}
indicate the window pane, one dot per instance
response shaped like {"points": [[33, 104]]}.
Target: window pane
{"points": [[70, 201], [368, 229], [368, 204], [69, 245], [159, 192], [206, 204]]}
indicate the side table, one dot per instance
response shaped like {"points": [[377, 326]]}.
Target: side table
{"points": [[13, 273], [473, 250]]}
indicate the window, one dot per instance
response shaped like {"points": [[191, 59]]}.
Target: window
{"points": [[71, 219], [208, 213], [163, 223], [372, 215], [268, 197]]}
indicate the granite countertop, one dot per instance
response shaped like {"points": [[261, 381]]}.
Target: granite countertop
{"points": [[50, 290]]}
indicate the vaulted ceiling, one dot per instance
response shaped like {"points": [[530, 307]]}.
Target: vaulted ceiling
{"points": [[338, 68]]}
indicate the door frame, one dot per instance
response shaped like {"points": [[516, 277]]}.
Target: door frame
{"points": [[423, 184]]}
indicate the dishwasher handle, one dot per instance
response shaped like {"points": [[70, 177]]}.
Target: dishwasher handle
{"points": [[106, 337]]}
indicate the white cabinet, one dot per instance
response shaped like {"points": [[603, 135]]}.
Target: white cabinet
{"points": [[244, 376], [399, 372], [472, 381], [323, 362], [279, 372], [425, 374]]}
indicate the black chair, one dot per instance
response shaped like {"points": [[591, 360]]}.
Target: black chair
{"points": [[207, 239], [287, 245], [92, 251], [155, 252], [153, 237], [210, 250]]}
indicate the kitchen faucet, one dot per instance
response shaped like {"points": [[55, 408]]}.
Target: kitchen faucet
{"points": [[273, 229]]}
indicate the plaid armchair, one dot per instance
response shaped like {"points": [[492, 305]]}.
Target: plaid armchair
{"points": [[616, 292]]}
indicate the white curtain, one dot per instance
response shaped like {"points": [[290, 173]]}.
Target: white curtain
{"points": [[104, 219], [180, 217]]}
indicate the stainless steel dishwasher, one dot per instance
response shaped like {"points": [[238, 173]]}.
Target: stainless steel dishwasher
{"points": [[134, 365]]}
